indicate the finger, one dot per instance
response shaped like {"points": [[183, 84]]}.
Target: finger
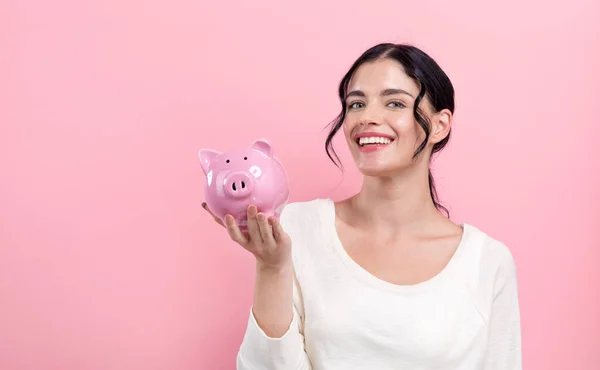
{"points": [[253, 225], [217, 220], [278, 233], [266, 233], [234, 231]]}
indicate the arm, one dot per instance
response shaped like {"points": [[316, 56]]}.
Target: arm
{"points": [[504, 342], [274, 337], [272, 306]]}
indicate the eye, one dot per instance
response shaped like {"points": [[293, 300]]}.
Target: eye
{"points": [[245, 158], [396, 104], [355, 105], [227, 161]]}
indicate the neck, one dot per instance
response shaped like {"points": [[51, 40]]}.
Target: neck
{"points": [[398, 202]]}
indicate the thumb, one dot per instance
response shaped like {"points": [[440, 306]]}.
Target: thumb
{"points": [[218, 220]]}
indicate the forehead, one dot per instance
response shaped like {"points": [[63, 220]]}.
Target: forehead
{"points": [[373, 77]]}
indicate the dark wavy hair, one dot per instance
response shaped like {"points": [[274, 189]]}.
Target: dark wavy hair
{"points": [[433, 82]]}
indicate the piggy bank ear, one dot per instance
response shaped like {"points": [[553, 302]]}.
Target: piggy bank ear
{"points": [[206, 156], [263, 146]]}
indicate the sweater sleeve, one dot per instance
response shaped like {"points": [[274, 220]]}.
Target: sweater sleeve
{"points": [[261, 352], [504, 342]]}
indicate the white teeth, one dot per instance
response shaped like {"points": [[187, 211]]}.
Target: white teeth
{"points": [[374, 140]]}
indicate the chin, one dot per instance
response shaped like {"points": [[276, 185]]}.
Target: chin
{"points": [[391, 164], [380, 170]]}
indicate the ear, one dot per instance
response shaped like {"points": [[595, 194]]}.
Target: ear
{"points": [[206, 156], [441, 126], [263, 146]]}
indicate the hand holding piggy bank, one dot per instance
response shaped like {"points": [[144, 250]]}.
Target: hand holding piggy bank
{"points": [[240, 178]]}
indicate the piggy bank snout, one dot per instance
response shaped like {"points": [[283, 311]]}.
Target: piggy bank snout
{"points": [[239, 184]]}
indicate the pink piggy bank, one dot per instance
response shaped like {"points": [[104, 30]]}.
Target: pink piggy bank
{"points": [[237, 179]]}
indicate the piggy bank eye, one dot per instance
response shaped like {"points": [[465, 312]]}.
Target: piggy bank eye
{"points": [[245, 158], [227, 161]]}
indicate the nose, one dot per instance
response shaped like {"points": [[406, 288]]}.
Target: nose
{"points": [[370, 116], [239, 185]]}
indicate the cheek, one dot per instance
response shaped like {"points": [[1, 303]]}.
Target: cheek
{"points": [[347, 128], [403, 124], [409, 122]]}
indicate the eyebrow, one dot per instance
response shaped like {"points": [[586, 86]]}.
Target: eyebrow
{"points": [[383, 93]]}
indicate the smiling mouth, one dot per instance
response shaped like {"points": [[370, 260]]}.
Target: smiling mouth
{"points": [[373, 141]]}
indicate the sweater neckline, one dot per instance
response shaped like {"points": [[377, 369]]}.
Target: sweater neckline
{"points": [[361, 273]]}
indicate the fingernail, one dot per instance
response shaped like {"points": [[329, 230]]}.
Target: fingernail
{"points": [[260, 217]]}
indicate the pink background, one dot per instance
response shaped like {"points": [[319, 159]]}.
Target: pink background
{"points": [[107, 260]]}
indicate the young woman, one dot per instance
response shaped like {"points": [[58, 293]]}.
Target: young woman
{"points": [[383, 279]]}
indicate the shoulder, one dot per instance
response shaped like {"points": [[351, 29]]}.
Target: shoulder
{"points": [[300, 215], [487, 251], [490, 264], [308, 223]]}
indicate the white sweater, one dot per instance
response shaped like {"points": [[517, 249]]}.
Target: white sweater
{"points": [[466, 317]]}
